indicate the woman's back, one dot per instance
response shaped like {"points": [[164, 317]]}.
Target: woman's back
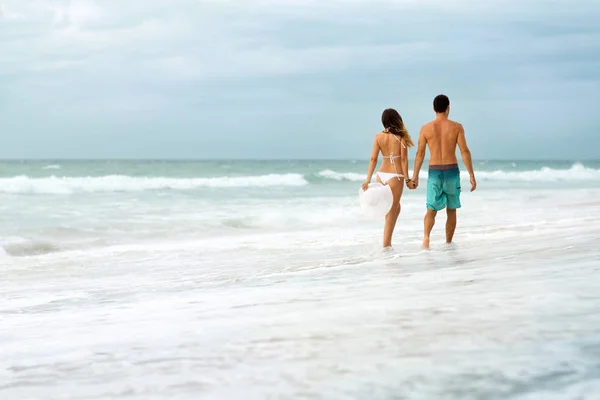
{"points": [[391, 149]]}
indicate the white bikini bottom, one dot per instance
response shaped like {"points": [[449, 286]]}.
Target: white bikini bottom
{"points": [[386, 176]]}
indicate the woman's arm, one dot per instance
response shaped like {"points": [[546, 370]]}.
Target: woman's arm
{"points": [[372, 163], [404, 151], [407, 180]]}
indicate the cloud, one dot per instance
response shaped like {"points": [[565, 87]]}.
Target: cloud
{"points": [[210, 39], [97, 60]]}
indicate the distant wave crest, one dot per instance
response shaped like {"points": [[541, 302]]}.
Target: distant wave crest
{"points": [[52, 166], [577, 172], [122, 183], [341, 176], [23, 247]]}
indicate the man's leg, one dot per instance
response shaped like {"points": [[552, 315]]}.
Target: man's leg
{"points": [[429, 222], [436, 200], [450, 224], [452, 189]]}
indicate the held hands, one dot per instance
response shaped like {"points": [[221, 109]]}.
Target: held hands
{"points": [[412, 183]]}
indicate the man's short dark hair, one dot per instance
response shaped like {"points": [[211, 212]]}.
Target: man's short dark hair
{"points": [[441, 103]]}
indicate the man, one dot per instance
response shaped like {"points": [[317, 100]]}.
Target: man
{"points": [[443, 185]]}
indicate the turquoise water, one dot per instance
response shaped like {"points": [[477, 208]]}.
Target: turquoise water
{"points": [[255, 280], [191, 169]]}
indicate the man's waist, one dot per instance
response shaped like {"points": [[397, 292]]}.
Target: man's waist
{"points": [[443, 167]]}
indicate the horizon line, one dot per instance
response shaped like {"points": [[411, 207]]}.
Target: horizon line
{"points": [[92, 159]]}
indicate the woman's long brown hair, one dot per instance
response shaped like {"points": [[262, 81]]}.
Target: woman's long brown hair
{"points": [[392, 122]]}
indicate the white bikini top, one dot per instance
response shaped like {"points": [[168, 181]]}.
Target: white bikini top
{"points": [[392, 156]]}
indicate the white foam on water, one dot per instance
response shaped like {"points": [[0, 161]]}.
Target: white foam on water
{"points": [[341, 176], [121, 183], [577, 172], [124, 183]]}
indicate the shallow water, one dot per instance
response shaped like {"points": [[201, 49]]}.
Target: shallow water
{"points": [[172, 286]]}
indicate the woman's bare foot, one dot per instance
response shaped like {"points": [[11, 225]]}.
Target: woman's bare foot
{"points": [[425, 243]]}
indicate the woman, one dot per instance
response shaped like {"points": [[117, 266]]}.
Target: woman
{"points": [[393, 143]]}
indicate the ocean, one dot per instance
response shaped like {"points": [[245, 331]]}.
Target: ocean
{"points": [[263, 280]]}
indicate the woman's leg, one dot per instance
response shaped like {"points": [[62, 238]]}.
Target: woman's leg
{"points": [[397, 187]]}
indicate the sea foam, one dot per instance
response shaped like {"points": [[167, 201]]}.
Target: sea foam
{"points": [[122, 183], [577, 172]]}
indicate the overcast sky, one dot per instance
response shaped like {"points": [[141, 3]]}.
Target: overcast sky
{"points": [[294, 78]]}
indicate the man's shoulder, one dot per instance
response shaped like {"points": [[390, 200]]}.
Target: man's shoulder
{"points": [[427, 125], [457, 124]]}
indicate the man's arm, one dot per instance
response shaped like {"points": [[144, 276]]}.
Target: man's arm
{"points": [[420, 156], [465, 153]]}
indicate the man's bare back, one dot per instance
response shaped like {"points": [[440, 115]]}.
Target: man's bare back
{"points": [[442, 136]]}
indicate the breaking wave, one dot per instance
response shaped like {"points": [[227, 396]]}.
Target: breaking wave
{"points": [[52, 166], [577, 172], [122, 183], [341, 176], [20, 247]]}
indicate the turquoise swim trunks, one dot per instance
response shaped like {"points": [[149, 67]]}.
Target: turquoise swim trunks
{"points": [[443, 187]]}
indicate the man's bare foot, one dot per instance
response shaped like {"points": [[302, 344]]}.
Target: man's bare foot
{"points": [[425, 243], [451, 245]]}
